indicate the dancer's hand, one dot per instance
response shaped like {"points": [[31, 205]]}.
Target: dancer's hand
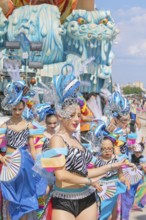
{"points": [[98, 187], [124, 162], [5, 159], [132, 165], [143, 166], [117, 165]]}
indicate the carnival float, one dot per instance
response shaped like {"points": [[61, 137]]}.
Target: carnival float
{"points": [[39, 37]]}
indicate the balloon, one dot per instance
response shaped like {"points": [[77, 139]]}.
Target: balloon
{"points": [[33, 81]]}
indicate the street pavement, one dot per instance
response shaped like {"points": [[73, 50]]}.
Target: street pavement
{"points": [[138, 215]]}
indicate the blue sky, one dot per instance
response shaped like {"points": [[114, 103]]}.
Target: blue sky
{"points": [[130, 45]]}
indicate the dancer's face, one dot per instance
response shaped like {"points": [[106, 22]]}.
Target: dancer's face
{"points": [[51, 123], [107, 149], [71, 123], [138, 154], [17, 110], [123, 121]]}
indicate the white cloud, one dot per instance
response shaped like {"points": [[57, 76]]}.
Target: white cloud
{"points": [[132, 37], [123, 14], [130, 52], [138, 49]]}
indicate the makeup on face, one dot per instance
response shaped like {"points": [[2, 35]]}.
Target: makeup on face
{"points": [[107, 149], [51, 122], [18, 109], [73, 121]]}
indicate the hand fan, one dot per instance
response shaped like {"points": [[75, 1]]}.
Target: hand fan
{"points": [[10, 171], [108, 191], [134, 176]]}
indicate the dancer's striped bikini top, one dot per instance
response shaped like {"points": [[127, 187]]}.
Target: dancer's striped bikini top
{"points": [[16, 139], [77, 160], [100, 162]]}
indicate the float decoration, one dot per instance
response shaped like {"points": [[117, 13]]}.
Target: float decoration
{"points": [[83, 35]]}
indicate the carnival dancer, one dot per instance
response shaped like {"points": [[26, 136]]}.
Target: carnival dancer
{"points": [[73, 195], [119, 107], [112, 184], [46, 112], [117, 111], [19, 183], [51, 124]]}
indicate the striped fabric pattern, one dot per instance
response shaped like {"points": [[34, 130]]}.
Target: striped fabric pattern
{"points": [[17, 139], [77, 160], [100, 162]]}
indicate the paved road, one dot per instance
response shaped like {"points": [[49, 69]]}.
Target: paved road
{"points": [[138, 215]]}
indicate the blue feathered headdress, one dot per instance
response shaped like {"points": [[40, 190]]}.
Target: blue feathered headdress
{"points": [[101, 132], [118, 105], [42, 110], [15, 92], [66, 85], [28, 114]]}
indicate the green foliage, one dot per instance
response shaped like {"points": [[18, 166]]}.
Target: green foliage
{"points": [[127, 90]]}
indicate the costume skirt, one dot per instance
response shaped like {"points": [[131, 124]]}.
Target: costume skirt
{"points": [[23, 190]]}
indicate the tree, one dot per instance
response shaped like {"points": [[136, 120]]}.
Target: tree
{"points": [[127, 90]]}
